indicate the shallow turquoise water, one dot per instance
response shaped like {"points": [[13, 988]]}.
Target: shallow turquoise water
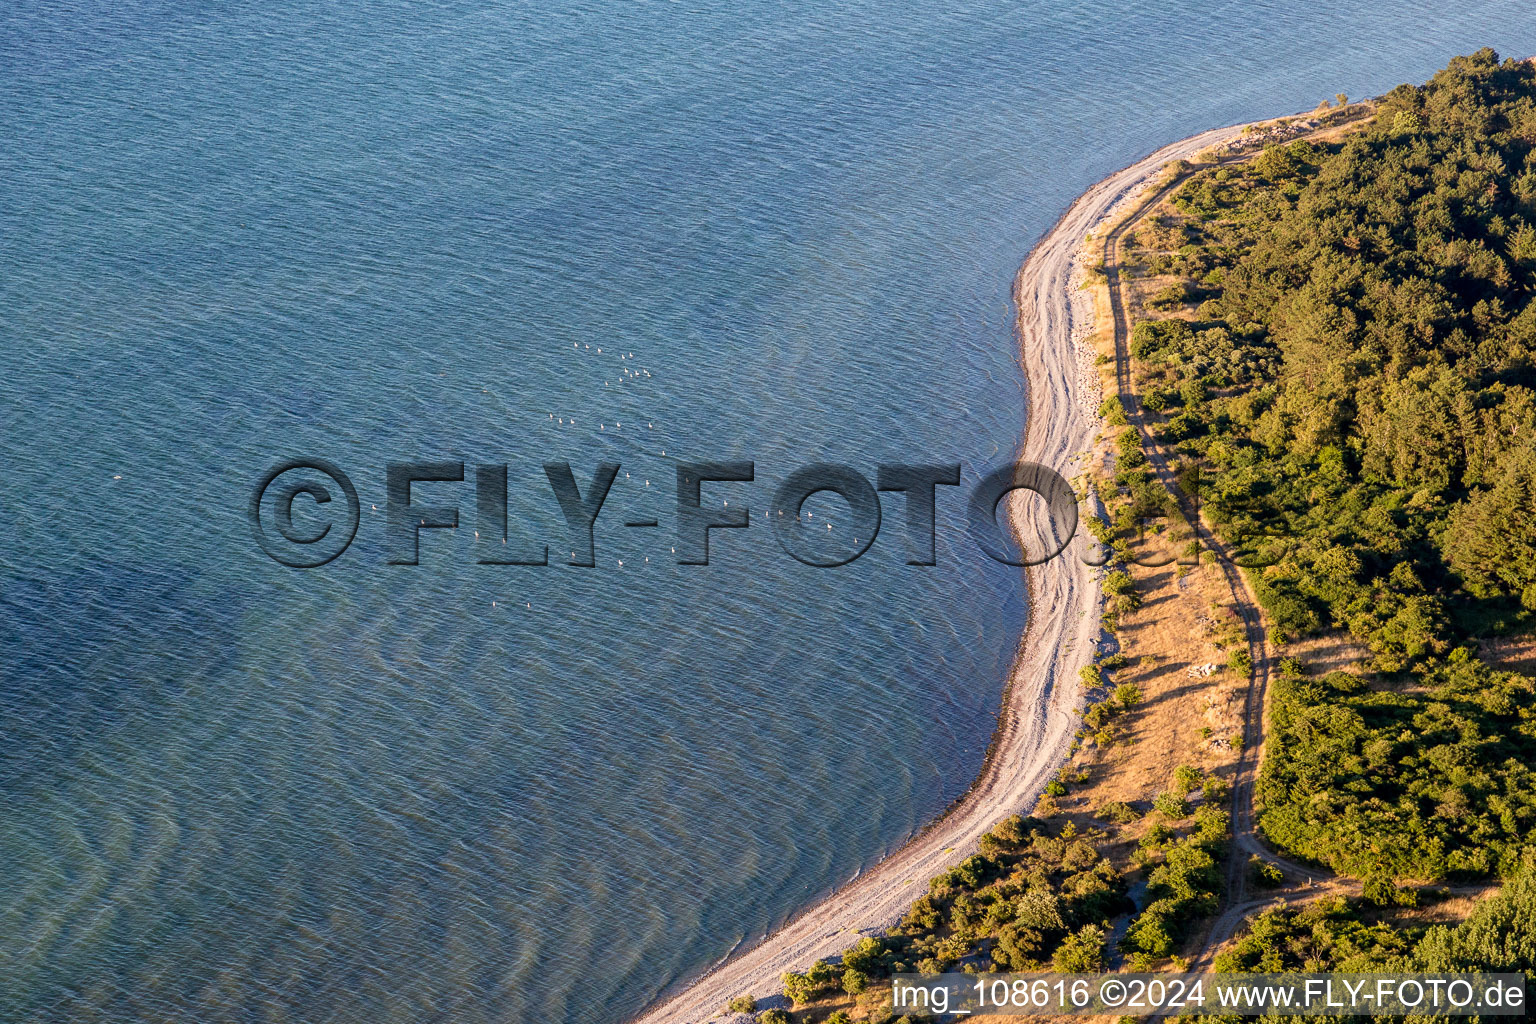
{"points": [[230, 234]]}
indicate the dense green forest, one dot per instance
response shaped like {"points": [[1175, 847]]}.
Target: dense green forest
{"points": [[1351, 359], [1339, 934], [1350, 935]]}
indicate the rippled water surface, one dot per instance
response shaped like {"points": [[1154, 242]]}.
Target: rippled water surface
{"points": [[370, 232]]}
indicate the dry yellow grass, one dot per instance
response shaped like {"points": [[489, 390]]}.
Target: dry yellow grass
{"points": [[1329, 652], [1190, 701], [1513, 653]]}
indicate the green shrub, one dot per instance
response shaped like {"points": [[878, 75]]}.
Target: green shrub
{"points": [[1119, 582], [1381, 889], [1263, 873], [798, 989], [1187, 779], [1118, 812], [864, 955], [1153, 931], [1082, 952], [1171, 297], [1171, 805]]}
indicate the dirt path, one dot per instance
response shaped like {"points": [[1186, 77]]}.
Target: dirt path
{"points": [[1302, 882], [1037, 717]]}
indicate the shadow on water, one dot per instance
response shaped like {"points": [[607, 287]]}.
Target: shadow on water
{"points": [[85, 652]]}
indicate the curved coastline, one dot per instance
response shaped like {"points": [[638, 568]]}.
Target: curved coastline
{"points": [[1036, 717]]}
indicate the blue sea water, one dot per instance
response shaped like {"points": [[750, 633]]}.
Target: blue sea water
{"points": [[232, 234]]}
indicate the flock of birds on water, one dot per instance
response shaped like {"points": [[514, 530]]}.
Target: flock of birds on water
{"points": [[628, 373], [602, 426]]}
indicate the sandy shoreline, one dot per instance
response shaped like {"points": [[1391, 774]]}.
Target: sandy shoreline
{"points": [[1037, 717]]}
